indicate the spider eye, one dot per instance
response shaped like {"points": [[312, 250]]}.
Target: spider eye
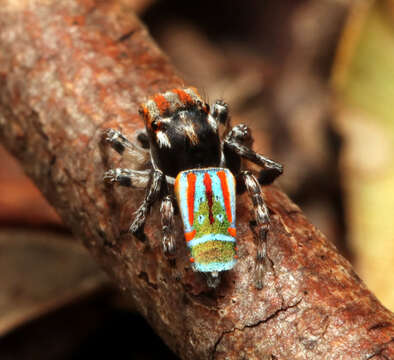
{"points": [[220, 217], [155, 125], [201, 218]]}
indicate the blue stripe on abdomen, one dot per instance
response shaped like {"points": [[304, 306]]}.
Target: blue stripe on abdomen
{"points": [[214, 266], [210, 237]]}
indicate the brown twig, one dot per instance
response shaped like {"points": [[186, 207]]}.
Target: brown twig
{"points": [[72, 68]]}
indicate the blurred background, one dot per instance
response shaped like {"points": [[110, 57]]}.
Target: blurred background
{"points": [[314, 79]]}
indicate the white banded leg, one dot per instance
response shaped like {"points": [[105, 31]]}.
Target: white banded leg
{"points": [[220, 112], [262, 221], [127, 177], [167, 225], [238, 140], [154, 188], [124, 147]]}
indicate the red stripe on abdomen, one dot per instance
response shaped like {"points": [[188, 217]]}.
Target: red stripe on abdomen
{"points": [[208, 193], [191, 189], [226, 194]]}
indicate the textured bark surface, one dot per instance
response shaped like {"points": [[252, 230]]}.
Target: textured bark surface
{"points": [[69, 69]]}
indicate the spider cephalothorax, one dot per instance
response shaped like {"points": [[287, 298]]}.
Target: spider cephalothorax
{"points": [[185, 150], [182, 133]]}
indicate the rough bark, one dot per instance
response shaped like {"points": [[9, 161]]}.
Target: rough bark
{"points": [[71, 68]]}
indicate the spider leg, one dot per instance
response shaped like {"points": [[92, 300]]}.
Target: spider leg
{"points": [[127, 177], [124, 147], [143, 139], [238, 140], [167, 225], [262, 221], [220, 112], [153, 192]]}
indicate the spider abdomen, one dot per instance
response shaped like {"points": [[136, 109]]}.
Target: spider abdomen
{"points": [[206, 198]]}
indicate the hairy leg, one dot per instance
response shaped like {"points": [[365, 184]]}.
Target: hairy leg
{"points": [[125, 148], [220, 112], [237, 142], [143, 139], [127, 177], [167, 224], [154, 189], [262, 221]]}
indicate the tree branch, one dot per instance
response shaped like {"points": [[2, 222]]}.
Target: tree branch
{"points": [[71, 68]]}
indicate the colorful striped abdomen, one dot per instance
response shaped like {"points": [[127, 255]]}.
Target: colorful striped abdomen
{"points": [[206, 199]]}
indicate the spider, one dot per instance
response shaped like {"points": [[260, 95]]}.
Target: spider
{"points": [[188, 159]]}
